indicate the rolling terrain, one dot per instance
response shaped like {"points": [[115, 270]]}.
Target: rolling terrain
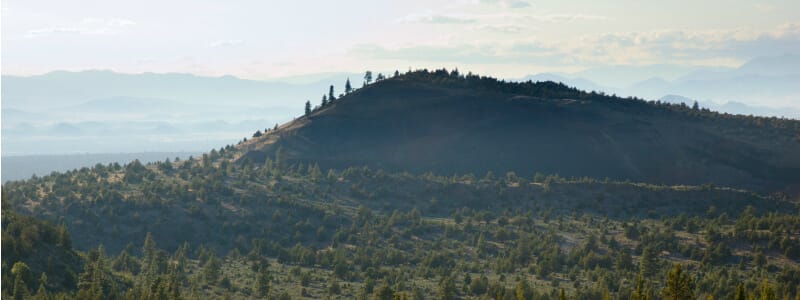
{"points": [[431, 185]]}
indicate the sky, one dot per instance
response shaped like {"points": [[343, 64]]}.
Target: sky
{"points": [[504, 38]]}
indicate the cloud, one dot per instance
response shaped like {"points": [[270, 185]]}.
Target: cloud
{"points": [[764, 7], [430, 17], [688, 46], [482, 53], [705, 47], [504, 28], [226, 43], [87, 26], [508, 3], [112, 22], [559, 18], [33, 33]]}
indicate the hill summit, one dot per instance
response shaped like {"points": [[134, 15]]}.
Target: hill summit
{"points": [[446, 122]]}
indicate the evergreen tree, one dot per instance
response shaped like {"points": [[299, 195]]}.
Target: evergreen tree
{"points": [[367, 77], [324, 100], [149, 247], [262, 287], [20, 289], [678, 285], [211, 270], [447, 288], [384, 292], [41, 292], [21, 272], [523, 290], [640, 292], [741, 292], [347, 87], [22, 276], [767, 292], [649, 265], [308, 108], [331, 96]]}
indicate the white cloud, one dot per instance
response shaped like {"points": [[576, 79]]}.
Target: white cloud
{"points": [[556, 18], [764, 7], [226, 43], [682, 46], [87, 26], [430, 17], [505, 28], [112, 22], [508, 3], [702, 47]]}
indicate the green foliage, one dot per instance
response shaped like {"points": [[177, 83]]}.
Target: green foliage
{"points": [[678, 285], [289, 231]]}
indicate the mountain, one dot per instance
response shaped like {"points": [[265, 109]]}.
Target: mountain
{"points": [[374, 195], [736, 108], [437, 122], [621, 76], [64, 112], [768, 84], [23, 167], [62, 88]]}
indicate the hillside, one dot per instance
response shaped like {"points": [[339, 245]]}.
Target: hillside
{"points": [[274, 230], [37, 254], [432, 185], [445, 122]]}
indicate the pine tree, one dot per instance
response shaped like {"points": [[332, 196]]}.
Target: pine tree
{"points": [[640, 292], [20, 289], [211, 270], [324, 100], [347, 87], [447, 288], [523, 290], [741, 292], [41, 292], [649, 265], [64, 239], [262, 282], [367, 77], [767, 292], [149, 247], [331, 96], [308, 108], [384, 292], [678, 285]]}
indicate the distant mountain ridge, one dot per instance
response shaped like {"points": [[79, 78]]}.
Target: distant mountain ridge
{"points": [[765, 86], [103, 111]]}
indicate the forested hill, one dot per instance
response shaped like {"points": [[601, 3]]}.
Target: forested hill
{"points": [[447, 122], [430, 186]]}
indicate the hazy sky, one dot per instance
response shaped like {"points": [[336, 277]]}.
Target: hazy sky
{"points": [[267, 39]]}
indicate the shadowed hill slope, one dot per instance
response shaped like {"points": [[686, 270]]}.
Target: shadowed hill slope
{"points": [[444, 122]]}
